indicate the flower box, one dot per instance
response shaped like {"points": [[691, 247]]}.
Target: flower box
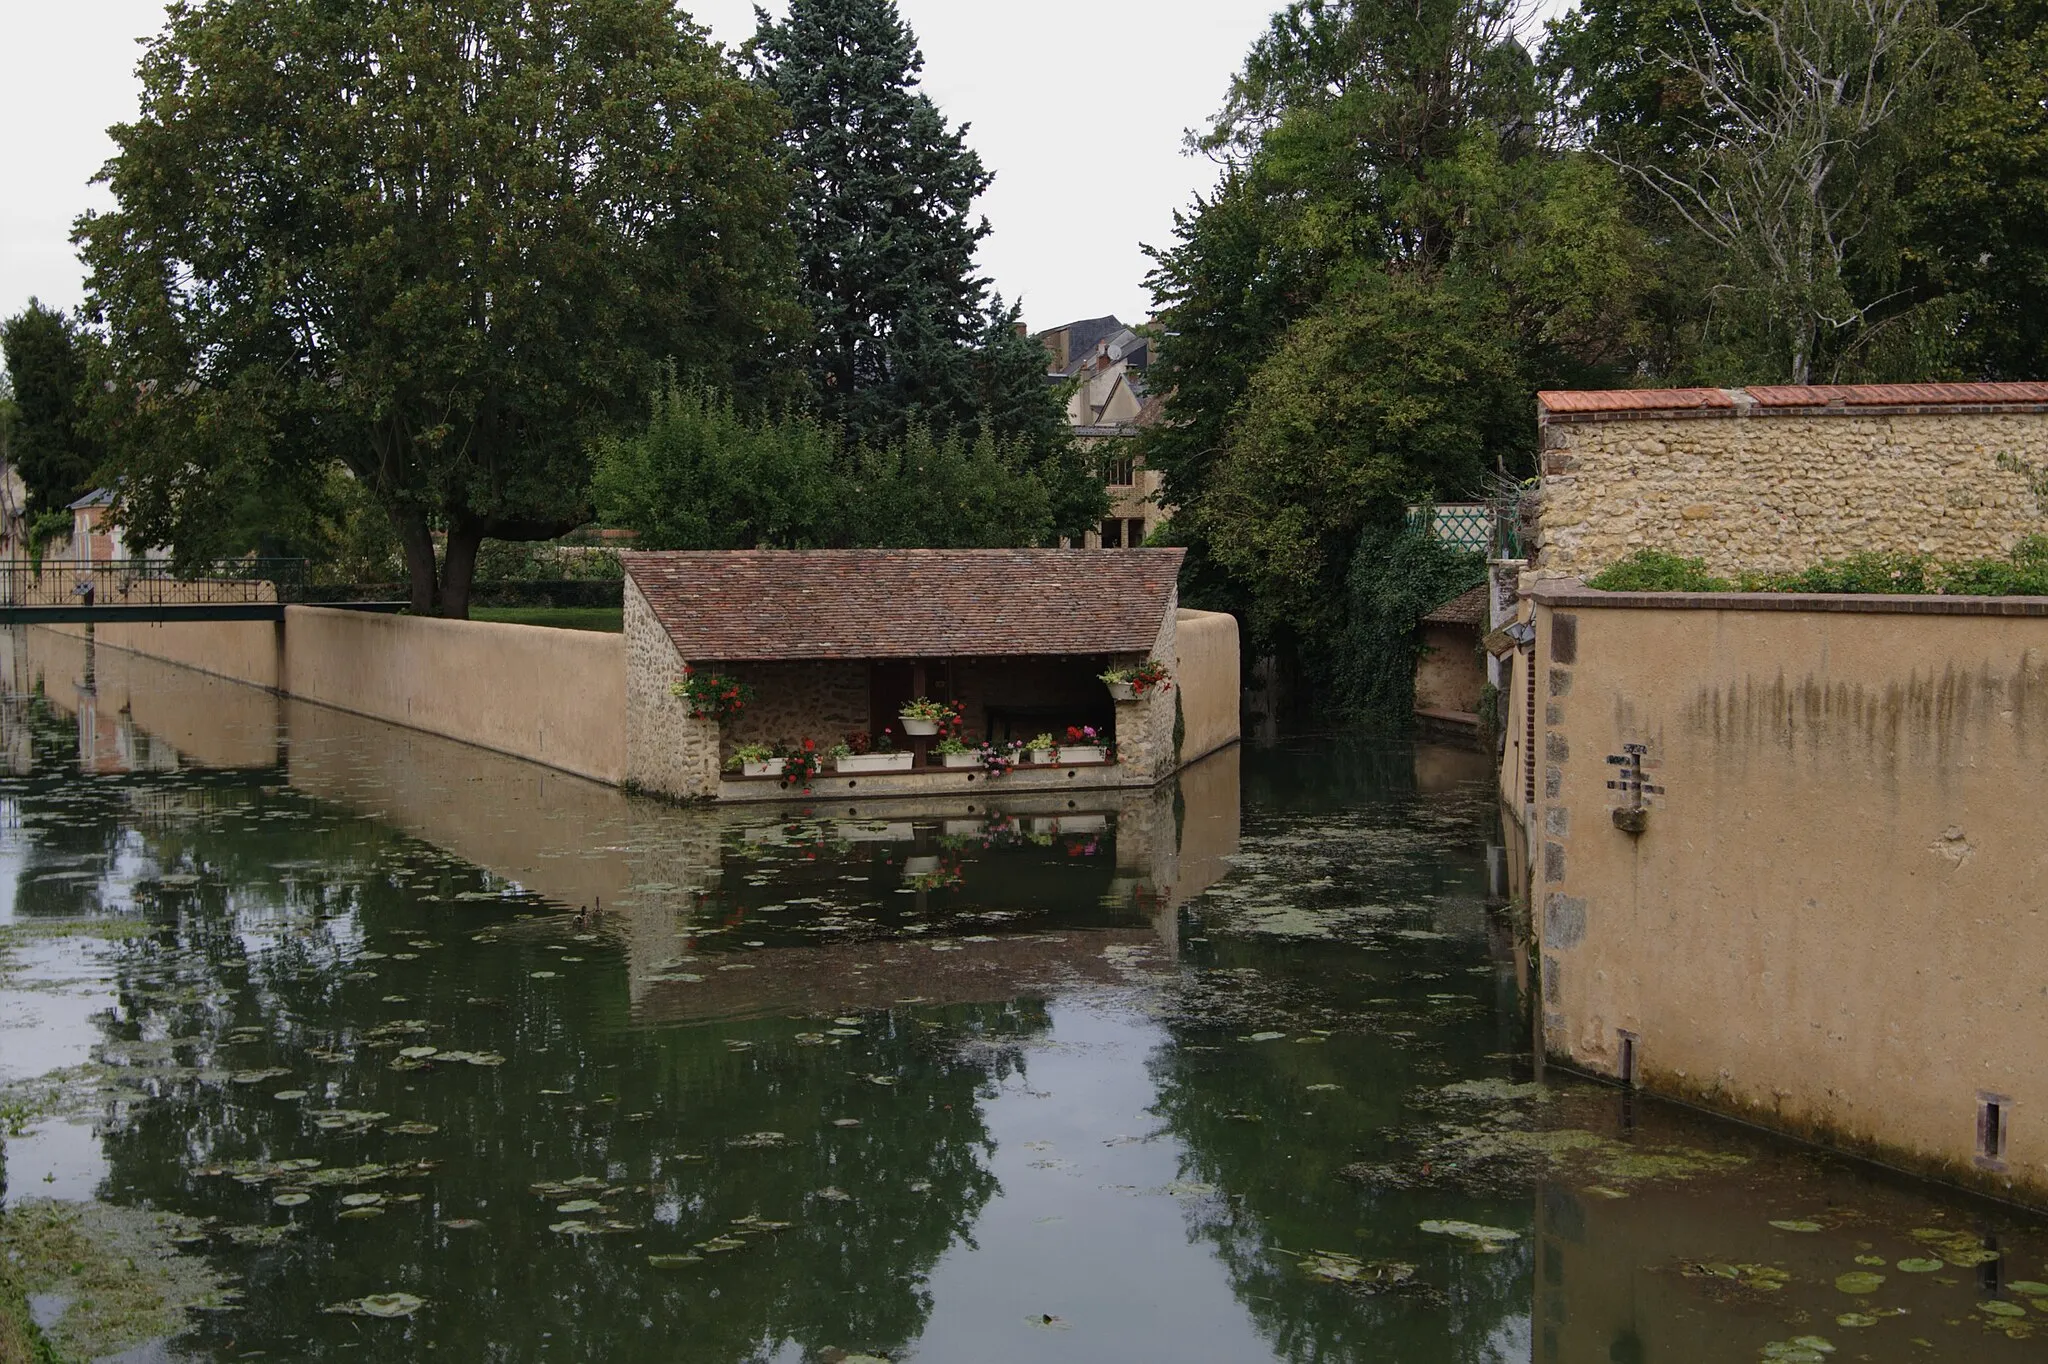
{"points": [[916, 728], [771, 768], [857, 764], [1122, 691], [958, 760], [1081, 754], [920, 866], [1043, 757]]}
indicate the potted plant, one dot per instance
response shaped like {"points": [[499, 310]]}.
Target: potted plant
{"points": [[755, 760], [954, 752], [800, 768], [1137, 681], [923, 717], [712, 696], [998, 759], [1084, 744], [1043, 749], [859, 754]]}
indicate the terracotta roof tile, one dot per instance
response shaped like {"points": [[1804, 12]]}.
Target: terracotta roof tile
{"points": [[1633, 400], [1467, 608], [917, 603], [1896, 395]]}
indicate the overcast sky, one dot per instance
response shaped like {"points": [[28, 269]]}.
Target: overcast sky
{"points": [[1079, 113]]}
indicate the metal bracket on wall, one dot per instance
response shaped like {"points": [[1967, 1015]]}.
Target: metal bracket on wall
{"points": [[1634, 816]]}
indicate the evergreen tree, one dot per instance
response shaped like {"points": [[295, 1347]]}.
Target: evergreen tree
{"points": [[907, 333], [49, 445]]}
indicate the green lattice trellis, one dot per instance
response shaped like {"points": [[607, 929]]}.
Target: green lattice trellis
{"points": [[1466, 525]]}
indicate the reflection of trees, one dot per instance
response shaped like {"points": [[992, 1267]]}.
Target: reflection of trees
{"points": [[1241, 1115], [269, 940]]}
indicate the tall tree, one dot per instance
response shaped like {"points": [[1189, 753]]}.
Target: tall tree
{"points": [[1396, 258], [907, 333], [50, 445], [442, 245]]}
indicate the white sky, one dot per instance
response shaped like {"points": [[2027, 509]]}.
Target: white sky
{"points": [[1079, 113]]}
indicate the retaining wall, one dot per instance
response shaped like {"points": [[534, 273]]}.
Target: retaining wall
{"points": [[1207, 669], [549, 696], [1834, 920], [1749, 488]]}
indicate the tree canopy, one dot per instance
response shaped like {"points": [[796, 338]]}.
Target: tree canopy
{"points": [[444, 246], [48, 442]]}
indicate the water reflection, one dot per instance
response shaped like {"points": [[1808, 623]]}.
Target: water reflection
{"points": [[599, 1077]]}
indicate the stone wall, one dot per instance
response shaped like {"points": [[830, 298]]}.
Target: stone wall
{"points": [[667, 752], [823, 700], [1828, 916], [1764, 491]]}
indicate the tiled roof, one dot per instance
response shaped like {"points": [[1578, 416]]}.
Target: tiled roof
{"points": [[1467, 608], [1634, 400], [1797, 398], [910, 603]]}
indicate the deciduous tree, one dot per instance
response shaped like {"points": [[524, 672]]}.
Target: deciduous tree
{"points": [[49, 443], [443, 245]]}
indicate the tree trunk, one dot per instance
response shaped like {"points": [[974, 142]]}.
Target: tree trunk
{"points": [[458, 565], [419, 560]]}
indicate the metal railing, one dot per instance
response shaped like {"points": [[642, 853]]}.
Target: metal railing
{"points": [[151, 582]]}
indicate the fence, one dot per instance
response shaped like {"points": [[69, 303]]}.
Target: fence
{"points": [[150, 582]]}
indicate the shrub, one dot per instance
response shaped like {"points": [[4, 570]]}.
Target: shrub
{"points": [[1859, 573], [1653, 570]]}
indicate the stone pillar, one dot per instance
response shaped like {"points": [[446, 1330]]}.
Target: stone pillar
{"points": [[667, 751]]}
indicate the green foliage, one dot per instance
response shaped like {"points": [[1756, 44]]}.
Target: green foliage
{"points": [[47, 441], [1361, 314], [1653, 570], [442, 246], [2023, 573], [1397, 577], [704, 476]]}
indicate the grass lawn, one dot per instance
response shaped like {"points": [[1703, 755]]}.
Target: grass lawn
{"points": [[607, 619]]}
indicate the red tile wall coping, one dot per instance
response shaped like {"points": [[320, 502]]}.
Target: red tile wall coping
{"points": [[1571, 593], [1791, 400], [748, 605]]}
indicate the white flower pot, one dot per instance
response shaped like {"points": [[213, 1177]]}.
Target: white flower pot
{"points": [[770, 768], [918, 729], [960, 760], [1079, 755], [1044, 757], [1122, 691], [873, 762], [920, 866]]}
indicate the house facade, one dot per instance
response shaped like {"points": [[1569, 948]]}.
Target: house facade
{"points": [[832, 644], [1109, 406]]}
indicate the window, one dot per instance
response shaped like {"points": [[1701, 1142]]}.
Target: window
{"points": [[1123, 472], [1134, 533], [1994, 1121], [1113, 534]]}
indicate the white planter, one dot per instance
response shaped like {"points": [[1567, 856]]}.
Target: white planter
{"points": [[1121, 691], [920, 866], [771, 768], [1045, 757], [873, 762], [918, 729], [960, 760], [1082, 755]]}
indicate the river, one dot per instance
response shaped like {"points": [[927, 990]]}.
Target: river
{"points": [[323, 1039]]}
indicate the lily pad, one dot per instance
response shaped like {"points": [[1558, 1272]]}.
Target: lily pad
{"points": [[1919, 1266], [385, 1305], [1860, 1282], [541, 975], [418, 1053], [289, 1095], [361, 1214], [573, 1228], [361, 1200], [581, 1205], [2029, 1288], [292, 1200], [1335, 1267], [674, 1261], [1855, 1319], [1798, 1226], [1487, 1240], [2002, 1309]]}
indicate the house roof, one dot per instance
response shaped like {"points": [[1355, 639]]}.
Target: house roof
{"points": [[98, 497], [1790, 399], [1467, 608], [749, 605]]}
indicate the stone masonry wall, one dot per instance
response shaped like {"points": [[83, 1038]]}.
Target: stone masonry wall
{"points": [[1775, 492], [667, 752], [823, 700]]}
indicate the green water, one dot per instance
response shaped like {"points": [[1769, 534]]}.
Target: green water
{"points": [[1172, 1079]]}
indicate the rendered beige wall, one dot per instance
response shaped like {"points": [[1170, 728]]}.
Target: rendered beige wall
{"points": [[1449, 675], [1206, 666], [1836, 921], [1784, 492], [549, 696]]}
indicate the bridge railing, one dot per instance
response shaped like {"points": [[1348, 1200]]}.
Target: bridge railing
{"points": [[151, 582]]}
